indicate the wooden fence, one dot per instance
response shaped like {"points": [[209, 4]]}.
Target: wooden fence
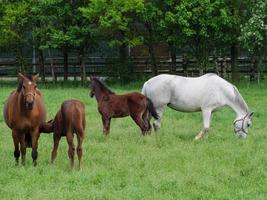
{"points": [[96, 65]]}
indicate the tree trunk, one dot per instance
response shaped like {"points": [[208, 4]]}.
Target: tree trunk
{"points": [[150, 46], [201, 71], [33, 60], [173, 59], [65, 54], [19, 60], [153, 59], [125, 68], [52, 67], [82, 66], [124, 56], [234, 56], [185, 63], [41, 65], [252, 69]]}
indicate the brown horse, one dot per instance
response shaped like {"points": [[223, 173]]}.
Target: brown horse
{"points": [[24, 112], [110, 105], [69, 119]]}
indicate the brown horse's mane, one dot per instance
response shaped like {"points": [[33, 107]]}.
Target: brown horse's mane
{"points": [[21, 82], [103, 85]]}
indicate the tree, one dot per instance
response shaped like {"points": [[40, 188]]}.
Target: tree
{"points": [[41, 26], [200, 22], [254, 33], [170, 29], [14, 28], [83, 35], [59, 33], [149, 28], [115, 22], [239, 15]]}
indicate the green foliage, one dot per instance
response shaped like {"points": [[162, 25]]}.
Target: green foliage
{"points": [[149, 19], [201, 23], [115, 20], [198, 27], [14, 23], [254, 31]]}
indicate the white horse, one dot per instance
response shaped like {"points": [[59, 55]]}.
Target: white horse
{"points": [[206, 93]]}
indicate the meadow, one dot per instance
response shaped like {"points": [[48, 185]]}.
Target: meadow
{"points": [[125, 165]]}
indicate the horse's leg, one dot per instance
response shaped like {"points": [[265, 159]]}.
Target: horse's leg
{"points": [[16, 145], [206, 122], [139, 121], [79, 148], [22, 147], [106, 125], [69, 136], [54, 152], [35, 136], [157, 122]]}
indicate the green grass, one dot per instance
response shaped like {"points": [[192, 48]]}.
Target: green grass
{"points": [[166, 165]]}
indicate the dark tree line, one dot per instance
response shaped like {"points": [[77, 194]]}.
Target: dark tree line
{"points": [[200, 27]]}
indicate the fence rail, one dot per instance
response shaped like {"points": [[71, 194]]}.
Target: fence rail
{"points": [[96, 65]]}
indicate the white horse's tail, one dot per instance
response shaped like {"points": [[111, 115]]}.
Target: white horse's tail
{"points": [[151, 109]]}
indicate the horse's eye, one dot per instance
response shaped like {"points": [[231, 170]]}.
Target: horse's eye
{"points": [[35, 87], [23, 86], [248, 125]]}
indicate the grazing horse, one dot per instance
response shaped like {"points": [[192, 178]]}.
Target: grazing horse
{"points": [[24, 112], [111, 105], [206, 93], [69, 119]]}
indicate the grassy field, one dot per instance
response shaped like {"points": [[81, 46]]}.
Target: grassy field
{"points": [[165, 165]]}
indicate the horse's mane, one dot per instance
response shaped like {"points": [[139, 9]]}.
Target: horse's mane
{"points": [[21, 82], [103, 85], [239, 99]]}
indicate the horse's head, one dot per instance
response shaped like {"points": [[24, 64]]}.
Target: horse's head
{"points": [[47, 127], [98, 87], [92, 93], [28, 89], [241, 125]]}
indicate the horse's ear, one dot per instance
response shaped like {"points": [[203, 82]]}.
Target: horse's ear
{"points": [[21, 76], [35, 77], [251, 114]]}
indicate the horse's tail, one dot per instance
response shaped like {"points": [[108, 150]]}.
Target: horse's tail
{"points": [[152, 109], [28, 140]]}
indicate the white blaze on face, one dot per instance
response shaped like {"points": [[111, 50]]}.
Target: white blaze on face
{"points": [[30, 83]]}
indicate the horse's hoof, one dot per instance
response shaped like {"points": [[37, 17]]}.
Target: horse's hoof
{"points": [[34, 163], [197, 137], [155, 127], [23, 162]]}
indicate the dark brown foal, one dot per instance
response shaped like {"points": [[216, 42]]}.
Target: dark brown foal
{"points": [[110, 105], [69, 119]]}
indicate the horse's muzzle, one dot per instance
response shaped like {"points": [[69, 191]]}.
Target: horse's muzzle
{"points": [[29, 105]]}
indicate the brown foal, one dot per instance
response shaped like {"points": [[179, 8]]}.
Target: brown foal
{"points": [[69, 119], [110, 105]]}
